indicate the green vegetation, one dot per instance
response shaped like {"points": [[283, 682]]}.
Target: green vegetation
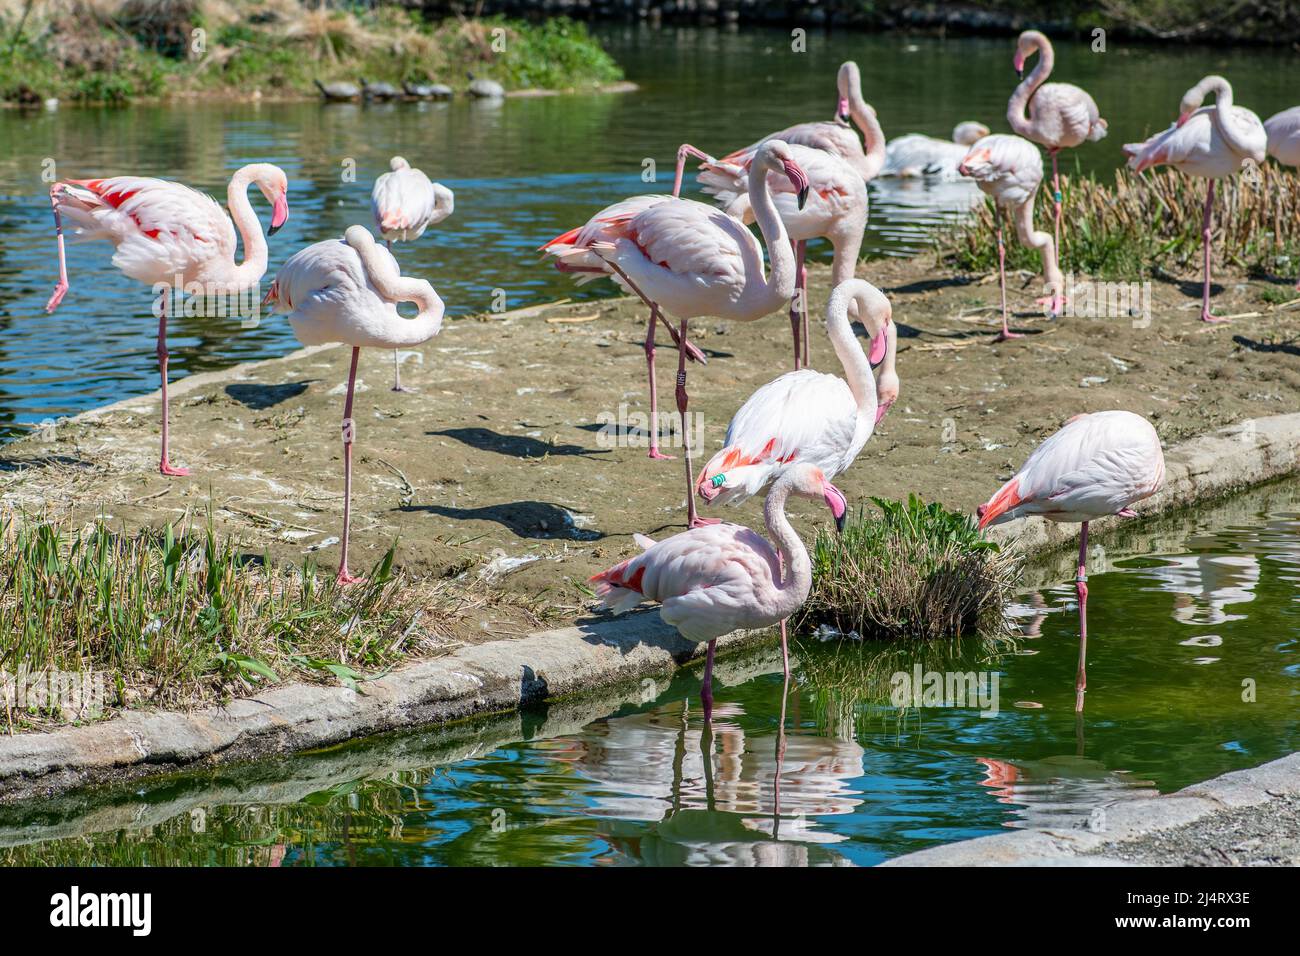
{"points": [[113, 51], [178, 616], [1140, 225], [912, 571]]}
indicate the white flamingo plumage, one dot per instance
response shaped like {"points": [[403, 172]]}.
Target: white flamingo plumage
{"points": [[915, 154], [691, 260], [835, 209], [1207, 141], [809, 417], [404, 203], [716, 578], [1283, 131], [1009, 170], [1055, 115], [169, 235], [1097, 465], [347, 290]]}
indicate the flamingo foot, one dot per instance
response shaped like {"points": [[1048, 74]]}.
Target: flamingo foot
{"points": [[345, 579], [657, 455], [1208, 316], [1007, 335], [60, 291], [167, 468], [698, 522]]}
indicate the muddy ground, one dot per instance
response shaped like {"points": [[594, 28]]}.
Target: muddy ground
{"points": [[499, 454]]}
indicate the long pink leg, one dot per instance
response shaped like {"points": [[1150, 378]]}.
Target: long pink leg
{"points": [[1056, 199], [693, 520], [349, 433], [785, 651], [803, 298], [61, 289], [654, 388], [796, 324], [1081, 586], [164, 465], [706, 689], [1205, 239], [693, 353], [1006, 332]]}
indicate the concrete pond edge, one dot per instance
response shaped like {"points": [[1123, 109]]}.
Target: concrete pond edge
{"points": [[505, 675]]}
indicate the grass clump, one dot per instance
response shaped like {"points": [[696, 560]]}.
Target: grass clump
{"points": [[1137, 225], [184, 615], [914, 570], [118, 50]]}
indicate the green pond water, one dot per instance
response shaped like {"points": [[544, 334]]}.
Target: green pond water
{"points": [[523, 171], [1194, 670]]}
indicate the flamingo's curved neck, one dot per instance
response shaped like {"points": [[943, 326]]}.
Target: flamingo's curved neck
{"points": [[1018, 105], [1222, 115], [857, 370], [864, 117], [1042, 241], [394, 287], [780, 283], [798, 568], [249, 272]]}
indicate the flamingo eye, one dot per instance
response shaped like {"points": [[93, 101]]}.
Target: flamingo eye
{"points": [[718, 480]]}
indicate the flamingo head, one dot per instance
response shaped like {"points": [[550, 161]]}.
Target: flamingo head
{"points": [[274, 185], [976, 160], [811, 482], [1027, 44], [847, 81], [776, 156]]}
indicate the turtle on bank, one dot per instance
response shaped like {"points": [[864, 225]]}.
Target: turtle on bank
{"points": [[485, 89], [337, 91], [378, 91]]}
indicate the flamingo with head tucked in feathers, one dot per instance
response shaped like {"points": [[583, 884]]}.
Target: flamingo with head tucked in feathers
{"points": [[346, 290], [404, 203], [715, 579], [691, 260], [1056, 115], [1283, 131], [1009, 170], [916, 154], [808, 417], [1209, 141], [836, 138], [1096, 465], [174, 237]]}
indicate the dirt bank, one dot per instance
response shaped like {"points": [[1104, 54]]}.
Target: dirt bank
{"points": [[500, 453]]}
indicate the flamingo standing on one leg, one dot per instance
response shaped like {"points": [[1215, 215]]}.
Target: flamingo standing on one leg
{"points": [[715, 579], [347, 290], [1009, 169], [1283, 130], [1209, 141], [573, 257], [836, 210], [916, 154], [1096, 465], [691, 260], [169, 235], [837, 138], [1056, 115], [405, 203]]}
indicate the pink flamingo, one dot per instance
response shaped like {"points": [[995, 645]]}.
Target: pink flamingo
{"points": [[1009, 170], [808, 417], [836, 209], [1283, 130], [715, 579], [916, 154], [1056, 115], [169, 235], [835, 137], [405, 203], [346, 290], [1097, 465], [690, 260], [573, 256], [1210, 141]]}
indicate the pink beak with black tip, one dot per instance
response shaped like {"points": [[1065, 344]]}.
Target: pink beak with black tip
{"points": [[798, 179], [279, 213], [838, 504]]}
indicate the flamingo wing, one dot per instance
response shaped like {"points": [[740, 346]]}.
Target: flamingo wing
{"points": [[572, 250], [802, 416]]}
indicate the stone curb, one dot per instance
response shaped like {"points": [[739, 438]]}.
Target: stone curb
{"points": [[505, 675], [1119, 822]]}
